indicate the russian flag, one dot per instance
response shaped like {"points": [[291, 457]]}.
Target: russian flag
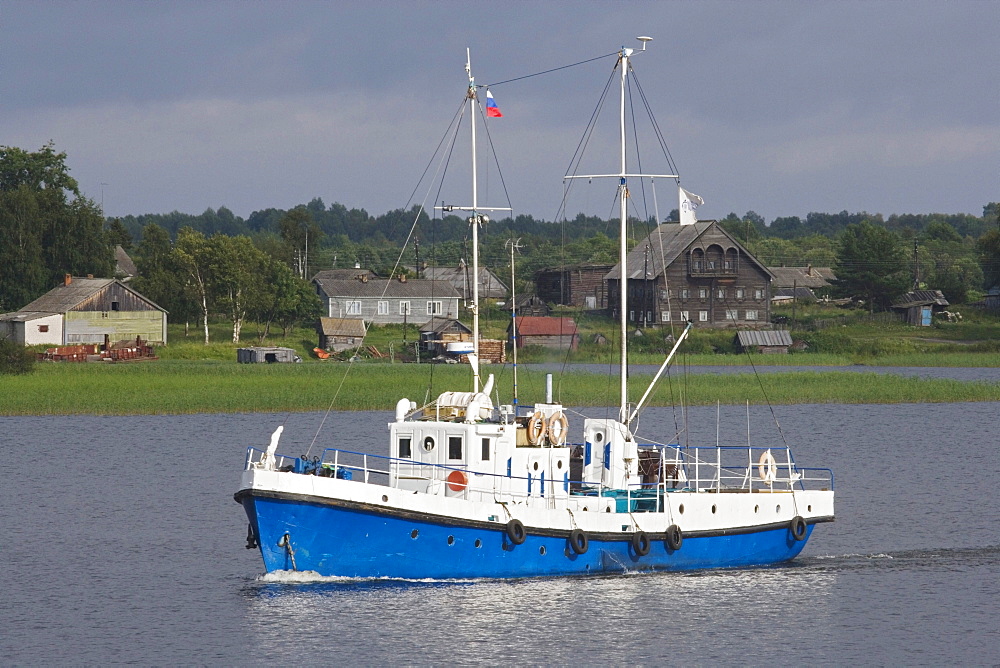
{"points": [[492, 110]]}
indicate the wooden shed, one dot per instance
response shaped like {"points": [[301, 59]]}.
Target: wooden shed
{"points": [[266, 355], [918, 306], [774, 341], [437, 333], [338, 334], [558, 333]]}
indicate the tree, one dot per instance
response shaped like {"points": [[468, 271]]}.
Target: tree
{"points": [[988, 247], [302, 234], [118, 234], [871, 265], [193, 257], [236, 279], [160, 278], [47, 227]]}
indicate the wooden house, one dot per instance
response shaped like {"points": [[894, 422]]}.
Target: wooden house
{"points": [[582, 286], [918, 306], [809, 282], [692, 272], [86, 310], [531, 305], [763, 341], [338, 334], [558, 333], [385, 300], [437, 333]]}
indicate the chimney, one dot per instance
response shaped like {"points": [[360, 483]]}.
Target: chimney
{"points": [[67, 279], [402, 278], [90, 275], [809, 270]]}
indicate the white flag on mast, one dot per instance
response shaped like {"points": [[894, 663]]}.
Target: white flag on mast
{"points": [[689, 202]]}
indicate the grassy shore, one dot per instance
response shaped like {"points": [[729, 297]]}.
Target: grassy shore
{"points": [[182, 386]]}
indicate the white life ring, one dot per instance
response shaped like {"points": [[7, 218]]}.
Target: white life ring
{"points": [[536, 428], [767, 467], [558, 426]]}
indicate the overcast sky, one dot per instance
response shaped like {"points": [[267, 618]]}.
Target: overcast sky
{"points": [[778, 107]]}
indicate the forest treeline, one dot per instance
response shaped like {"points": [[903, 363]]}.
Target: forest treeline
{"points": [[256, 268]]}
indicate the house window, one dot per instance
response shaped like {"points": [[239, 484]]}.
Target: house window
{"points": [[685, 316], [404, 448], [663, 295], [486, 449], [703, 316], [740, 293], [751, 314], [697, 265], [664, 316], [649, 316], [114, 306], [721, 293], [631, 316], [434, 308], [703, 293], [685, 294], [711, 265], [404, 308], [727, 265], [758, 294], [43, 328], [383, 308], [732, 314], [454, 447], [353, 307]]}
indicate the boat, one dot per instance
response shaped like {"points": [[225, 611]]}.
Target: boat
{"points": [[471, 488]]}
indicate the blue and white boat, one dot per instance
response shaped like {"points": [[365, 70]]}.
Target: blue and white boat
{"points": [[473, 488]]}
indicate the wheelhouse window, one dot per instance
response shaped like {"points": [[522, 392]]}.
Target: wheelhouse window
{"points": [[404, 451], [486, 450], [455, 447]]}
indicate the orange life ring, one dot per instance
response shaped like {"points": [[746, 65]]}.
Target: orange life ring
{"points": [[457, 481], [558, 426], [536, 427]]}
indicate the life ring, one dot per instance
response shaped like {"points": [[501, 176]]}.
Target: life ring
{"points": [[578, 541], [558, 426], [536, 427], [798, 527], [457, 481], [640, 543], [767, 467], [674, 537], [516, 532]]}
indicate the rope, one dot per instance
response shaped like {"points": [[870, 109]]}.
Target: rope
{"points": [[554, 69]]}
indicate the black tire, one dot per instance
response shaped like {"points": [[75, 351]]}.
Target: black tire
{"points": [[798, 527], [578, 541], [640, 543], [516, 532], [674, 537]]}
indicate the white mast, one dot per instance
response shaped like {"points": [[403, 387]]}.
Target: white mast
{"points": [[476, 219], [623, 176]]}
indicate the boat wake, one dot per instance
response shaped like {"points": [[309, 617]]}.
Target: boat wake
{"points": [[312, 578]]}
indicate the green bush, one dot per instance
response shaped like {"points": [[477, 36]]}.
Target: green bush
{"points": [[15, 358]]}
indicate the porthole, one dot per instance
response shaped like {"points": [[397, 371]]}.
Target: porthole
{"points": [[535, 466], [479, 543], [713, 508], [756, 508], [598, 437], [681, 509], [385, 497], [414, 533], [558, 463], [428, 444], [809, 508], [777, 508], [608, 509], [541, 550], [451, 540]]}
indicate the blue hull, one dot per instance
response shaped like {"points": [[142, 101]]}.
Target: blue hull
{"points": [[338, 541]]}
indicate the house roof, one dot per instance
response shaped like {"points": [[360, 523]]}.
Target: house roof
{"points": [[24, 316], [673, 239], [391, 288], [534, 325], [123, 263], [344, 274], [63, 298], [802, 277], [342, 326], [790, 293], [920, 298], [461, 278], [781, 337], [437, 325]]}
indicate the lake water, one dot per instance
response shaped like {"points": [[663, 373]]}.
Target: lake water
{"points": [[121, 544]]}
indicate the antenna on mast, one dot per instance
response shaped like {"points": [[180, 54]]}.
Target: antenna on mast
{"points": [[644, 39]]}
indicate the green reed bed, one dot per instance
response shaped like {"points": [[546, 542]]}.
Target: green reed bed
{"points": [[207, 387]]}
